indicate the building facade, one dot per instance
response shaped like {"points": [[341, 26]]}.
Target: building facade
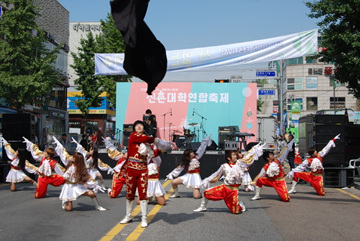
{"points": [[51, 116], [100, 119]]}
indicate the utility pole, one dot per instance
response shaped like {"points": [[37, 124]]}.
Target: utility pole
{"points": [[280, 74]]}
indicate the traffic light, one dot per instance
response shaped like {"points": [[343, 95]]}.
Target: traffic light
{"points": [[328, 71], [222, 81]]}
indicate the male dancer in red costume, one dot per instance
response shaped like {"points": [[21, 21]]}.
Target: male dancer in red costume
{"points": [[137, 172], [272, 175], [46, 168], [314, 162]]}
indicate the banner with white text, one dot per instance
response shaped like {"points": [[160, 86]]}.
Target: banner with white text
{"points": [[283, 47]]}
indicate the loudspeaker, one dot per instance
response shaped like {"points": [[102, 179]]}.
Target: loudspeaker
{"points": [[331, 119], [212, 147], [195, 145], [181, 143], [16, 126]]}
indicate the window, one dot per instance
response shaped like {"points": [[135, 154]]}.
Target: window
{"points": [[293, 61], [310, 61], [311, 103], [291, 87], [311, 83], [291, 80], [337, 102]]}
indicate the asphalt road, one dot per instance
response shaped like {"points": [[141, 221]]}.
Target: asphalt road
{"points": [[306, 217]]}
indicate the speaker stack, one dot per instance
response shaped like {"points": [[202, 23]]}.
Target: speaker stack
{"points": [[15, 126], [326, 128], [127, 130]]}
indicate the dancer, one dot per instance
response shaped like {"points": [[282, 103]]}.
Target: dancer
{"points": [[245, 164], [47, 166], [76, 175], [154, 189], [314, 163], [118, 180], [18, 162], [93, 162], [272, 175], [137, 172], [66, 158], [233, 174], [190, 162]]}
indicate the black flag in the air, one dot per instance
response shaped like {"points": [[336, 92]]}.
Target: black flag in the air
{"points": [[145, 56]]}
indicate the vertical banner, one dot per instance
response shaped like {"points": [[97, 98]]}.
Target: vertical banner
{"points": [[196, 108]]}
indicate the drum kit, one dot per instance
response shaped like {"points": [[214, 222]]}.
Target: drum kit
{"points": [[183, 141]]}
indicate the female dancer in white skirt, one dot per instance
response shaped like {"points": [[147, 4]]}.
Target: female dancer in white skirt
{"points": [[190, 161], [18, 162], [154, 188], [76, 175]]}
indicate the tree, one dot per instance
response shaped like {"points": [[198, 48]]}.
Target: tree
{"points": [[340, 31], [90, 85], [259, 105], [26, 66], [111, 41]]}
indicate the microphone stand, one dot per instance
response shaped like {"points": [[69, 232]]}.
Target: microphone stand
{"points": [[170, 124], [164, 121], [204, 134]]}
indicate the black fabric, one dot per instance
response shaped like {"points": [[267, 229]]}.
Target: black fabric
{"points": [[145, 56]]}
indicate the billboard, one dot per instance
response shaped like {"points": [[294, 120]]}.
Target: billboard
{"points": [[198, 107]]}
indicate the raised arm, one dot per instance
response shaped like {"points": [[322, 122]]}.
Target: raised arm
{"points": [[328, 147], [202, 148], [34, 150], [61, 152], [113, 153], [8, 149]]}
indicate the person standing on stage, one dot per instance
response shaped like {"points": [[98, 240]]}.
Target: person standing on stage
{"points": [[314, 163], [46, 168], [18, 162], [190, 162], [137, 172], [150, 123], [272, 175]]}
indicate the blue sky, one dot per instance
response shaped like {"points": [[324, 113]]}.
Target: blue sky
{"points": [[182, 24]]}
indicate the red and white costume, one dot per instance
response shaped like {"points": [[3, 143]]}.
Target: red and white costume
{"points": [[15, 174], [233, 175], [71, 189], [273, 175], [46, 170], [192, 177], [118, 180], [155, 189], [136, 165], [65, 158], [315, 164]]}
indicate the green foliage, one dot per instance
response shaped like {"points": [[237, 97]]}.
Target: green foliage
{"points": [[26, 66], [259, 105], [109, 41], [89, 84], [340, 31]]}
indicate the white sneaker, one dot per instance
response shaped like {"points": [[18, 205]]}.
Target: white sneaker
{"points": [[242, 205], [255, 198], [63, 205], [200, 209], [99, 208], [174, 195]]}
